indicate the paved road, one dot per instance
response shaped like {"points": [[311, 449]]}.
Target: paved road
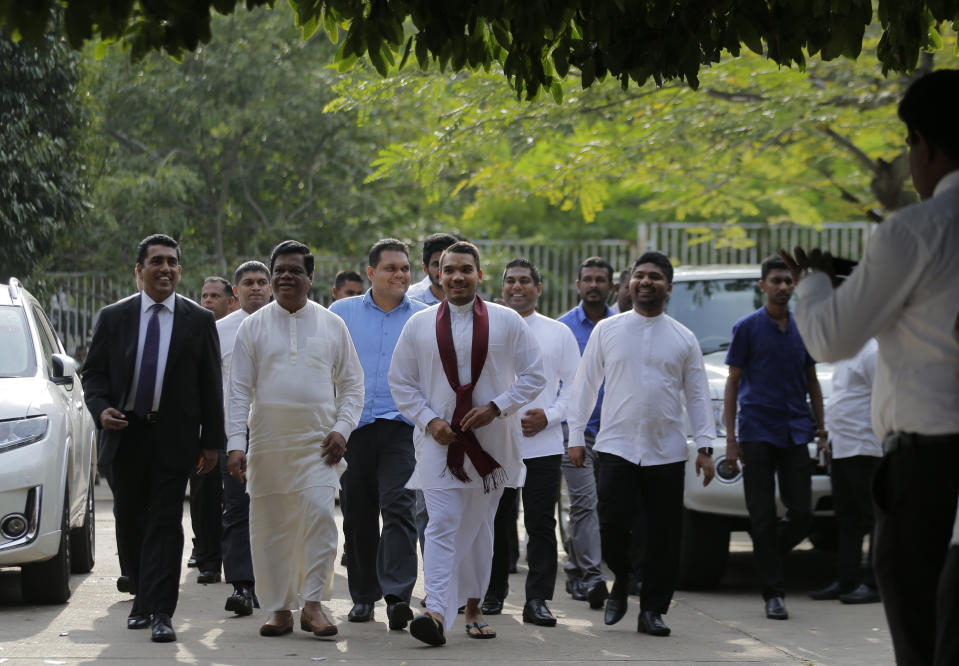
{"points": [[726, 626]]}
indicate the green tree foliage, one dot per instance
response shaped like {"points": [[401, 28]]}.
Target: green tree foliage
{"points": [[41, 177], [753, 143], [535, 44]]}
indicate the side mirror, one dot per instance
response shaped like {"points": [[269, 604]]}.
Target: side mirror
{"points": [[64, 368]]}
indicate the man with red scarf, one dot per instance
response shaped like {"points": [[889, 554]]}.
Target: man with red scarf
{"points": [[460, 370]]}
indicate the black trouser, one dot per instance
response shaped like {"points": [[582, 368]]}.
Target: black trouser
{"points": [[947, 610], [206, 515], [622, 485], [915, 492], [852, 499], [540, 496], [106, 471], [381, 459], [235, 529], [149, 492], [774, 537]]}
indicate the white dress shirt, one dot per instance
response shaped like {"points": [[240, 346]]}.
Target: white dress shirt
{"points": [[421, 292], [511, 377], [905, 293], [848, 408], [165, 317], [648, 364], [560, 355], [226, 328], [295, 378]]}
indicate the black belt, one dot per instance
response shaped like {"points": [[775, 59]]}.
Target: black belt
{"points": [[895, 441], [150, 418]]}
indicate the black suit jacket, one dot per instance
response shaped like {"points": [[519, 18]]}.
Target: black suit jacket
{"points": [[191, 398]]}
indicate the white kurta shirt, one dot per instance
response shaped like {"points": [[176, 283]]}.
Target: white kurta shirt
{"points": [[512, 376], [226, 328], [560, 355], [848, 408], [905, 293], [649, 364], [300, 374]]}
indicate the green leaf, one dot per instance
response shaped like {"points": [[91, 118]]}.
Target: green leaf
{"points": [[556, 90], [748, 34]]}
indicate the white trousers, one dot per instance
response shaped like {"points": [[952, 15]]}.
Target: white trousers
{"points": [[459, 547], [293, 543]]}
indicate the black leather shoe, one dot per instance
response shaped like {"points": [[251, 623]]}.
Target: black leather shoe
{"points": [[399, 614], [536, 612], [207, 577], [361, 612], [576, 589], [831, 591], [162, 629], [138, 621], [597, 595], [652, 623], [241, 601], [492, 606], [864, 594], [615, 609], [776, 609], [124, 584]]}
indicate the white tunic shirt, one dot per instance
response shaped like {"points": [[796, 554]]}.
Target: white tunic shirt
{"points": [[848, 407], [512, 376], [226, 328], [560, 355], [303, 379], [649, 364], [905, 293]]}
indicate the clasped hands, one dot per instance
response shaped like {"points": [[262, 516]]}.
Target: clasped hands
{"points": [[443, 432]]}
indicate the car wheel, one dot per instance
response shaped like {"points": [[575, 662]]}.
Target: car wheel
{"points": [[83, 538], [704, 552], [48, 582]]}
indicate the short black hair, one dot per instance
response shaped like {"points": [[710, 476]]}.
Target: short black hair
{"points": [[929, 106], [524, 263], [771, 263], [595, 262], [658, 258], [346, 276], [227, 287], [156, 239], [437, 243], [462, 247], [624, 274], [293, 247], [251, 266], [386, 245]]}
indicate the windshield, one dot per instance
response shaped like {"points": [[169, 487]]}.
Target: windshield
{"points": [[709, 308], [16, 351]]}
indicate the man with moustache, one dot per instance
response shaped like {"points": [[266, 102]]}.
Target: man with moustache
{"points": [[296, 382], [584, 579], [380, 451], [347, 284], [252, 290], [217, 296], [651, 365], [459, 371], [770, 375], [152, 383], [429, 290], [539, 432]]}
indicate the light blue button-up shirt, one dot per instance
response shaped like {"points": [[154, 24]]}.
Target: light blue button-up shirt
{"points": [[374, 334]]}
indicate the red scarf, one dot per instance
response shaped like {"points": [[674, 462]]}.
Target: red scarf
{"points": [[466, 442]]}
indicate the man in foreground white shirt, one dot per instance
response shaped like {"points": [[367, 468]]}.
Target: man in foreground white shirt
{"points": [[459, 370], [294, 364], [905, 293], [649, 362]]}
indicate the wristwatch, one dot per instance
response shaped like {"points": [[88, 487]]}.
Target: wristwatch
{"points": [[494, 406], [706, 450]]}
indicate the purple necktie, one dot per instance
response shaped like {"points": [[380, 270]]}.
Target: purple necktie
{"points": [[146, 383]]}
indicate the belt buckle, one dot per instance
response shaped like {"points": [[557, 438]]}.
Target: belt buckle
{"points": [[152, 417]]}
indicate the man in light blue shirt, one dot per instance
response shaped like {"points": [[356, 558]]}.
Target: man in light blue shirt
{"points": [[380, 451]]}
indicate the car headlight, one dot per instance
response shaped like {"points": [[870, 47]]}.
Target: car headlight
{"points": [[20, 432], [719, 416]]}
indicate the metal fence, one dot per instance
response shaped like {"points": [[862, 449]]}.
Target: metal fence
{"points": [[75, 298]]}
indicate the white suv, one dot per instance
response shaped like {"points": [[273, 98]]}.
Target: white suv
{"points": [[47, 453], [709, 300]]}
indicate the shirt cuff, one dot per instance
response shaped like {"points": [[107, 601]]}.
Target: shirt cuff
{"points": [[814, 286], [236, 443], [552, 415], [343, 428], [703, 440], [506, 406], [577, 437]]}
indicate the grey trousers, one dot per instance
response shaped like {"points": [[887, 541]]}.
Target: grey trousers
{"points": [[585, 551]]}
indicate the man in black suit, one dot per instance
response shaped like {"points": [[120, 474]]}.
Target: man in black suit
{"points": [[152, 383]]}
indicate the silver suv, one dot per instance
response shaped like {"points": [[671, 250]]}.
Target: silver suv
{"points": [[47, 453]]}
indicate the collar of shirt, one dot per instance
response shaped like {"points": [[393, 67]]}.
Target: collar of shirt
{"points": [[368, 301], [146, 302], [584, 318]]}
